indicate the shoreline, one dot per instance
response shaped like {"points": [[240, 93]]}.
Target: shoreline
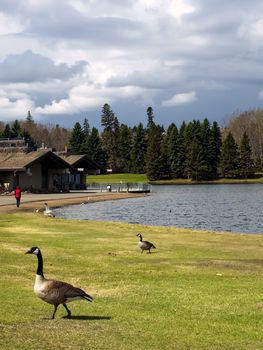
{"points": [[33, 204], [203, 182], [38, 204]]}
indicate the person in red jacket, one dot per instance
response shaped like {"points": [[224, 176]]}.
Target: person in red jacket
{"points": [[18, 196]]}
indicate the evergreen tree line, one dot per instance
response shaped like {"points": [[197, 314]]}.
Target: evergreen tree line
{"points": [[193, 151]]}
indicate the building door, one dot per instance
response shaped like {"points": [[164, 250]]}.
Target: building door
{"points": [[16, 179], [44, 174]]}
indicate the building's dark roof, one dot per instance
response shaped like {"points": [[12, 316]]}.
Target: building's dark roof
{"points": [[20, 161], [82, 161]]}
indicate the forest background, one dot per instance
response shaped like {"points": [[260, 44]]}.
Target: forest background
{"points": [[197, 150]]}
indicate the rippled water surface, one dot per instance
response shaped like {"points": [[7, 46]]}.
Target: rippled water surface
{"points": [[237, 208]]}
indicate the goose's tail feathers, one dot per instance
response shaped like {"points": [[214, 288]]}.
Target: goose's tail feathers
{"points": [[88, 297]]}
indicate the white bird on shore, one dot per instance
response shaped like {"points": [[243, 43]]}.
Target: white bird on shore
{"points": [[48, 211]]}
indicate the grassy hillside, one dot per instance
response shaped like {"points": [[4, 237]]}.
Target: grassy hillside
{"points": [[198, 290]]}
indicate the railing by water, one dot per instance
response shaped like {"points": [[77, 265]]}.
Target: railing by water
{"points": [[119, 187]]}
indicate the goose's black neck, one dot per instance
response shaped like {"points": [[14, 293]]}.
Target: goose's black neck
{"points": [[40, 264], [140, 237]]}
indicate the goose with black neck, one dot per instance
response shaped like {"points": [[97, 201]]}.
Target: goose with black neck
{"points": [[52, 291]]}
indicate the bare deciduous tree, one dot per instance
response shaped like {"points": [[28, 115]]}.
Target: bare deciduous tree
{"points": [[250, 122]]}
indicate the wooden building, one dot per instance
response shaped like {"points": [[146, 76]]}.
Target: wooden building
{"points": [[32, 171], [42, 170], [82, 165]]}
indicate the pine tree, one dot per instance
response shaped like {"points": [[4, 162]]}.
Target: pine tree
{"points": [[156, 157], [107, 118], [86, 128], [7, 132], [205, 139], [86, 135], [139, 148], [29, 118], [173, 149], [192, 132], [246, 162], [215, 149], [196, 166], [150, 118], [16, 129], [95, 148], [2, 126], [110, 137], [165, 166], [182, 149], [76, 139], [32, 130], [125, 145], [229, 163]]}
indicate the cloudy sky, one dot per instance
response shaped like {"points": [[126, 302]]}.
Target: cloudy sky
{"points": [[188, 59]]}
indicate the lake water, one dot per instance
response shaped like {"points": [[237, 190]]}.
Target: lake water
{"points": [[237, 208]]}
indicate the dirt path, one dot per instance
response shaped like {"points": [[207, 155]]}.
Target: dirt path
{"points": [[31, 202]]}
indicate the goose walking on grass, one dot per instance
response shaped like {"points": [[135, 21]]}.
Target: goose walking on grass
{"points": [[48, 211], [55, 292], [145, 245]]}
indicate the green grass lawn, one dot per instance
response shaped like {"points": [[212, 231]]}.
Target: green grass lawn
{"points": [[117, 178], [197, 290]]}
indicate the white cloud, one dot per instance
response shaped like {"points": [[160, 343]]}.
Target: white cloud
{"points": [[15, 106], [156, 75], [252, 30], [179, 8], [87, 97], [180, 99], [139, 52], [10, 25]]}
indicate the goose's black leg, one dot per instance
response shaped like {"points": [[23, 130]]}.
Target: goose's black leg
{"points": [[54, 312], [68, 311]]}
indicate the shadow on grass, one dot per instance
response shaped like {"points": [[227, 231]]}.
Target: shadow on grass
{"points": [[89, 318]]}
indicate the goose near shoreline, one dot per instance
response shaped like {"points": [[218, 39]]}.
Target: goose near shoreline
{"points": [[145, 245], [48, 212]]}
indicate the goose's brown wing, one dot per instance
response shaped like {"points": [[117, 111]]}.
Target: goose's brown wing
{"points": [[57, 292], [148, 245]]}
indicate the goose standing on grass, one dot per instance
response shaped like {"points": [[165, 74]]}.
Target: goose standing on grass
{"points": [[48, 211], [145, 245], [55, 292]]}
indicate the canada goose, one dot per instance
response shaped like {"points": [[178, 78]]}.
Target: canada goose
{"points": [[145, 245], [55, 292], [48, 211]]}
